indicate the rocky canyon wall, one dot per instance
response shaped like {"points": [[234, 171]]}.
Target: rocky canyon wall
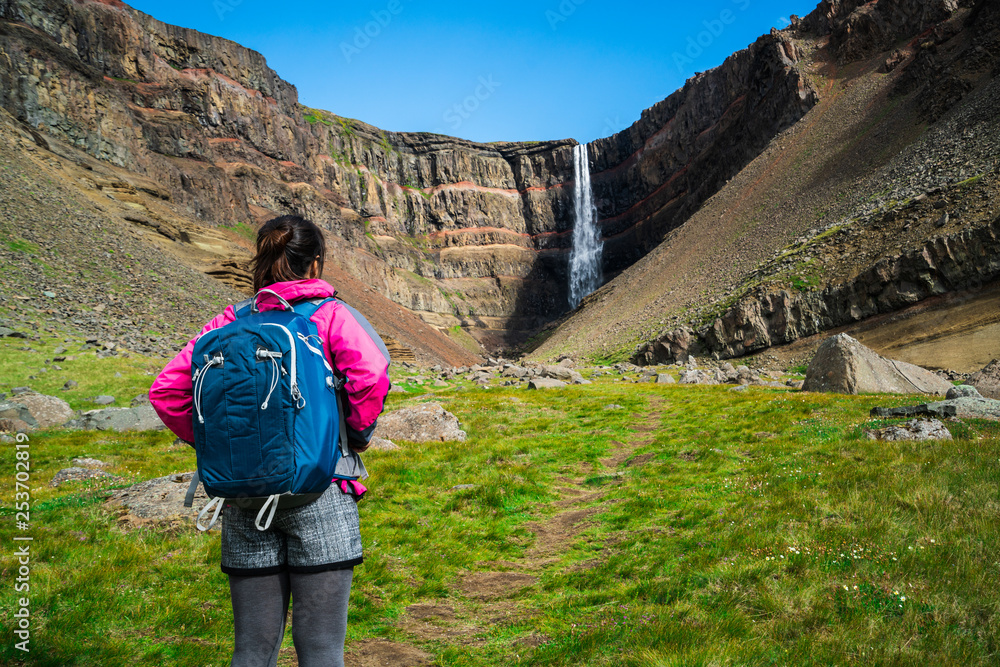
{"points": [[460, 232]]}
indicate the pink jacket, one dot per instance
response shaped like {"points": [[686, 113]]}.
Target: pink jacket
{"points": [[348, 347]]}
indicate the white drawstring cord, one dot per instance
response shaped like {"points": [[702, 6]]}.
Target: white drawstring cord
{"points": [[199, 382], [217, 501], [273, 502]]}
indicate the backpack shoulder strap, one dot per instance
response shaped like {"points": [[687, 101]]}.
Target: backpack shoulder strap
{"points": [[242, 308], [309, 307]]}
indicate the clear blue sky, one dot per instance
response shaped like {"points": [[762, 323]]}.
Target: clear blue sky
{"points": [[486, 71]]}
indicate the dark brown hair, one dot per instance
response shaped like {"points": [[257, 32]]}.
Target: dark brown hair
{"points": [[286, 248]]}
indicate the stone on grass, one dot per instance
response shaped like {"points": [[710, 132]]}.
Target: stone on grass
{"points": [[963, 391], [665, 378], [70, 384], [13, 410], [139, 418], [545, 383], [915, 429], [103, 400], [47, 411], [842, 365], [77, 474], [157, 501], [965, 407], [396, 389], [987, 381], [427, 422], [377, 444], [562, 373]]}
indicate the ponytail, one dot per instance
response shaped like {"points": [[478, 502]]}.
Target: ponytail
{"points": [[286, 249]]}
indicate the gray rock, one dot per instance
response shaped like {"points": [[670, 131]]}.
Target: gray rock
{"points": [[439, 383], [614, 406], [987, 380], [70, 384], [740, 387], [561, 373], [842, 365], [140, 418], [16, 411], [378, 444], [665, 378], [915, 429], [141, 399], [396, 389], [963, 391], [463, 487], [965, 407], [545, 383], [103, 400], [427, 422], [20, 390], [160, 499], [4, 332], [47, 411], [77, 474]]}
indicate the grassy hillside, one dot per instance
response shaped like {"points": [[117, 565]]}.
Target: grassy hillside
{"points": [[610, 524]]}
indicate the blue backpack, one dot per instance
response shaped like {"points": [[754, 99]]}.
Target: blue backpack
{"points": [[269, 426]]}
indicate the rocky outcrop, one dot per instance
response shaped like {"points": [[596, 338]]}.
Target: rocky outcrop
{"points": [[860, 28], [760, 320], [987, 380], [460, 232], [842, 365]]}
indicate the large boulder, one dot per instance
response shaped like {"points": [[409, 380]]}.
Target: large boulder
{"points": [[842, 365], [562, 374], [987, 381], [545, 383], [47, 411], [427, 422]]}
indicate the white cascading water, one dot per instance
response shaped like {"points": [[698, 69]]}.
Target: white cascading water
{"points": [[585, 274]]}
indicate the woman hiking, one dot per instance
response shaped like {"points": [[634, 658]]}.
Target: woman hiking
{"points": [[306, 553]]}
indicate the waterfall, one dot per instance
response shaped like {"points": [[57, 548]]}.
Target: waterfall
{"points": [[585, 273]]}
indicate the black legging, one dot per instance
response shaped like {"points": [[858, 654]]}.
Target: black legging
{"points": [[319, 617]]}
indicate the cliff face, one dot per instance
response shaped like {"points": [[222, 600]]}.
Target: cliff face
{"points": [[460, 232], [649, 179]]}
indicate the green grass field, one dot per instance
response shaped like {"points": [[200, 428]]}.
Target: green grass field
{"points": [[689, 526]]}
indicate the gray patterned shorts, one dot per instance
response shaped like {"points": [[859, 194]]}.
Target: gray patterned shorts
{"points": [[322, 535]]}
